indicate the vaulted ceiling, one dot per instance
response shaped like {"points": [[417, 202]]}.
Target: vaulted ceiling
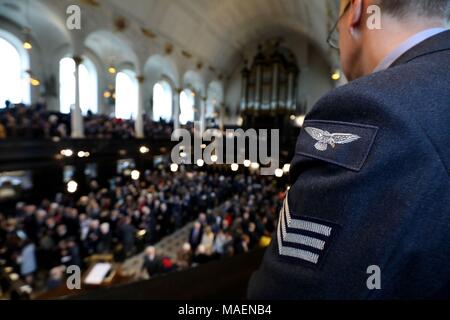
{"points": [[36, 16], [220, 30], [216, 32]]}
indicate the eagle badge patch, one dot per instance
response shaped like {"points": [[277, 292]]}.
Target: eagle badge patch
{"points": [[341, 143], [325, 138]]}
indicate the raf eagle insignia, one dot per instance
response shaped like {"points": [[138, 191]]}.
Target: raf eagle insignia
{"points": [[325, 138]]}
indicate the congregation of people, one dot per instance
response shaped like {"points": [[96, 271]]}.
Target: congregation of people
{"points": [[232, 214], [35, 122], [245, 221]]}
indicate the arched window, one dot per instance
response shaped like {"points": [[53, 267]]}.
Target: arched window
{"points": [[126, 95], [66, 84], [187, 103], [211, 105], [162, 101], [14, 86], [88, 85], [215, 98]]}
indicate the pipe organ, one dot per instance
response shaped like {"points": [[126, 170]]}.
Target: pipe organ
{"points": [[269, 84]]}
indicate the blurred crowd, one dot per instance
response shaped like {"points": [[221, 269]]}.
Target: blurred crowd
{"points": [[35, 122], [232, 215], [243, 222], [104, 127]]}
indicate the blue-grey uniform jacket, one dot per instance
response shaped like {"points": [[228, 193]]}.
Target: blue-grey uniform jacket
{"points": [[368, 212]]}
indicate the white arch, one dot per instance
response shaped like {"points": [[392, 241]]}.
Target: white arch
{"points": [[113, 50], [14, 64], [187, 106], [215, 96], [88, 85], [194, 80], [126, 95], [162, 101], [159, 67]]}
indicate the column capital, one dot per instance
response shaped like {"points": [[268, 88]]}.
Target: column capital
{"points": [[204, 98], [78, 60], [179, 90], [140, 78]]}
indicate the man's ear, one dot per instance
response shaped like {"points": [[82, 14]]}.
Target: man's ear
{"points": [[356, 13]]}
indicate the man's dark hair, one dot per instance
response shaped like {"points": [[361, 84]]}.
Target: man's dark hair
{"points": [[426, 8]]}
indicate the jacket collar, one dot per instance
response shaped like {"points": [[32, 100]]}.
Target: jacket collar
{"points": [[437, 43]]}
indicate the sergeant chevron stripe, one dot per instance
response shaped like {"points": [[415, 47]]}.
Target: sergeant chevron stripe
{"points": [[308, 247], [305, 225], [300, 239], [296, 253]]}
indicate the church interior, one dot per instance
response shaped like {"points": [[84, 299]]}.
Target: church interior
{"points": [[91, 94]]}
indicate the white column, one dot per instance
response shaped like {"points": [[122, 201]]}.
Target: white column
{"points": [[76, 113], [176, 108], [139, 123], [203, 113]]}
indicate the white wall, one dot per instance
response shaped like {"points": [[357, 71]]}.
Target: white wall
{"points": [[233, 97], [314, 80]]}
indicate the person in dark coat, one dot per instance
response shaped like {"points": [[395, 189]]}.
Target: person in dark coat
{"points": [[152, 263], [367, 215], [196, 235], [128, 236]]}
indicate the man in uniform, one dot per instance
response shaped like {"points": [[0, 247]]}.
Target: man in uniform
{"points": [[368, 212]]}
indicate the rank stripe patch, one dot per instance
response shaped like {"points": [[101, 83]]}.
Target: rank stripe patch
{"points": [[300, 239], [311, 249], [300, 224], [296, 253]]}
